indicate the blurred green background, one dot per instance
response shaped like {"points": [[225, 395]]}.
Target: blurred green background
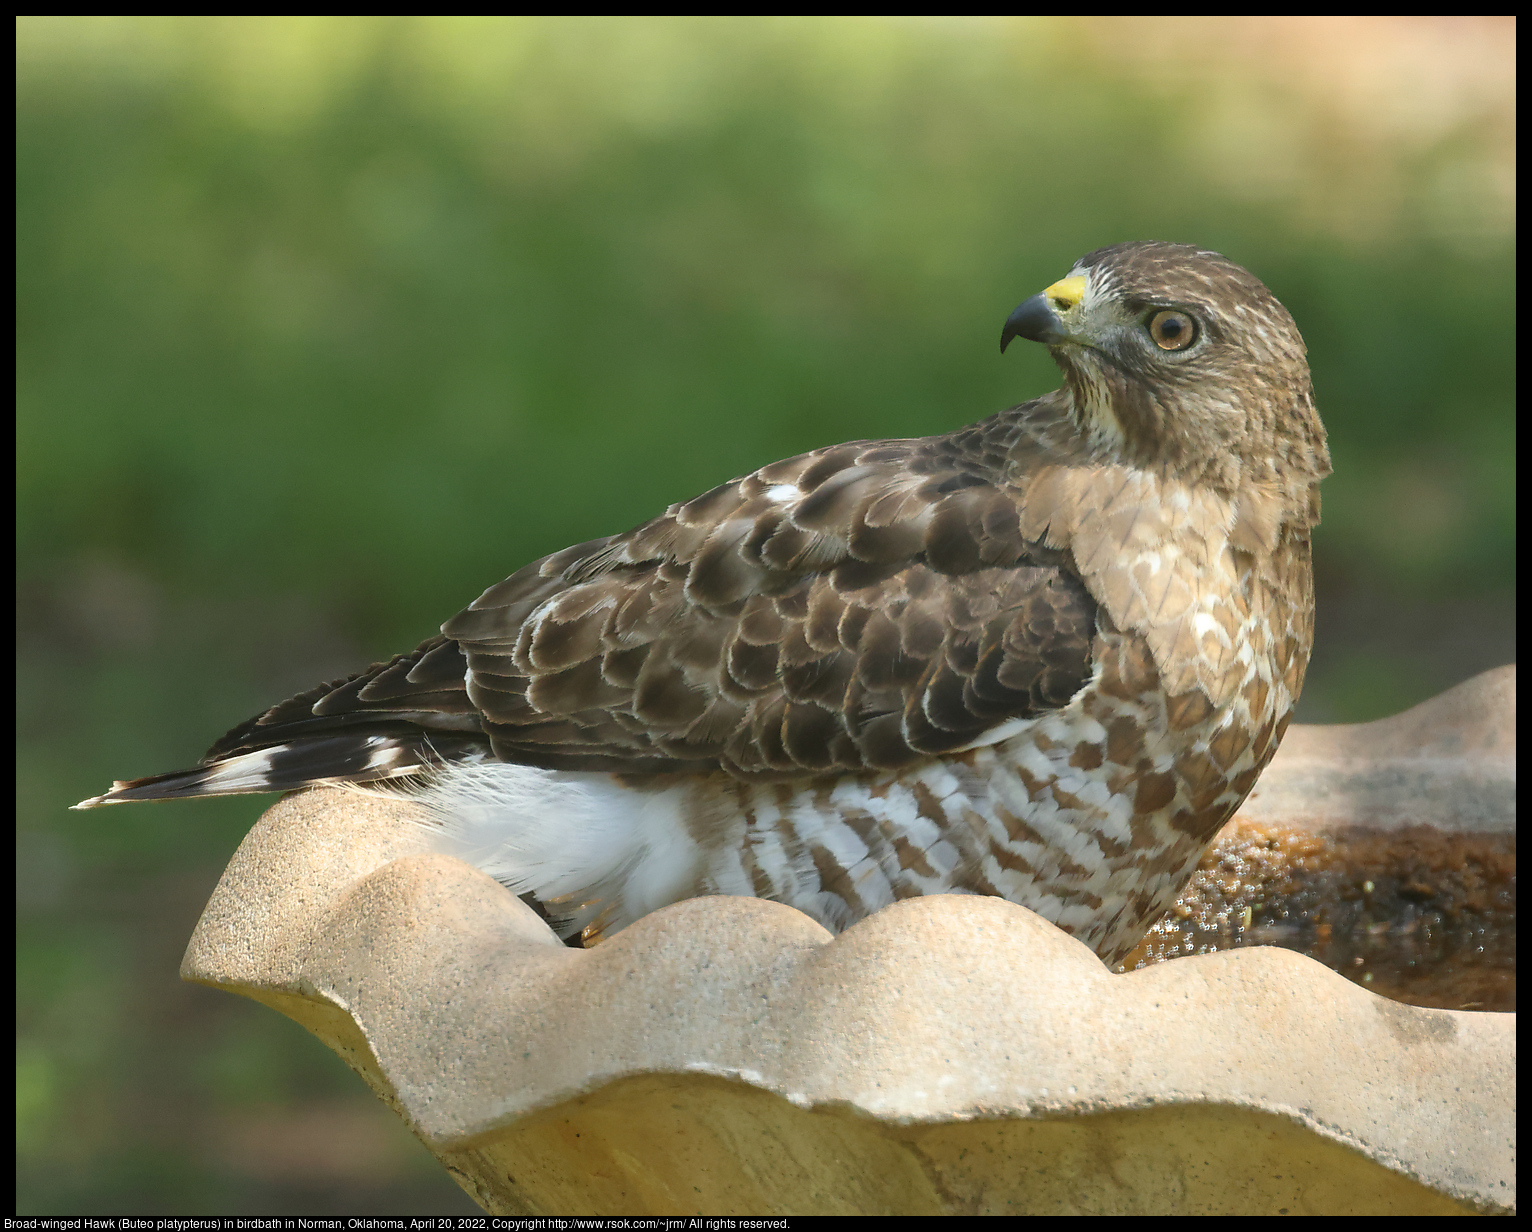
{"points": [[326, 324]]}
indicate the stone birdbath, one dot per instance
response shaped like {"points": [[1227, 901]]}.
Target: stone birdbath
{"points": [[949, 1054]]}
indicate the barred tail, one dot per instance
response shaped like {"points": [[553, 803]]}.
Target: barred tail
{"points": [[349, 758]]}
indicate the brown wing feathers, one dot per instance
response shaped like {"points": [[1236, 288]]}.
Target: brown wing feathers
{"points": [[858, 607], [862, 606], [421, 689]]}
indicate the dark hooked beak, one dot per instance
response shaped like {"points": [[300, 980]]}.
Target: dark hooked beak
{"points": [[1035, 320]]}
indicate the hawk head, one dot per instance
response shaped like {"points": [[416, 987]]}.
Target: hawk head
{"points": [[1175, 359]]}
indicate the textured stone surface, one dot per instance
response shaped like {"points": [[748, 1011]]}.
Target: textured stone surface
{"points": [[949, 1054], [1449, 762]]}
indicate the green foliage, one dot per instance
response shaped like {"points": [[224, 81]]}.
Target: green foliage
{"points": [[382, 344]]}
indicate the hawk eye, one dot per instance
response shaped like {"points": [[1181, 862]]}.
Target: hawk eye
{"points": [[1172, 329]]}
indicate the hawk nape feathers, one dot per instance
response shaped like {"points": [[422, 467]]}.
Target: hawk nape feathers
{"points": [[1044, 657]]}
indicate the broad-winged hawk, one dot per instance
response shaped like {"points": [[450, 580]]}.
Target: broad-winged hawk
{"points": [[1043, 657]]}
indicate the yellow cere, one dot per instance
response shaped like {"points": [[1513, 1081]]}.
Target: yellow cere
{"points": [[1067, 292]]}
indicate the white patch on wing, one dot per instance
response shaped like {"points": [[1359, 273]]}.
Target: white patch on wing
{"points": [[1091, 730], [1011, 727], [247, 772], [385, 752]]}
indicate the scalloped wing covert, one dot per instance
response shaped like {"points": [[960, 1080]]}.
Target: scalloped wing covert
{"points": [[857, 607]]}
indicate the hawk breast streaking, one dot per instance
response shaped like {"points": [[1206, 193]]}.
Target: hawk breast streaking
{"points": [[1044, 657]]}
